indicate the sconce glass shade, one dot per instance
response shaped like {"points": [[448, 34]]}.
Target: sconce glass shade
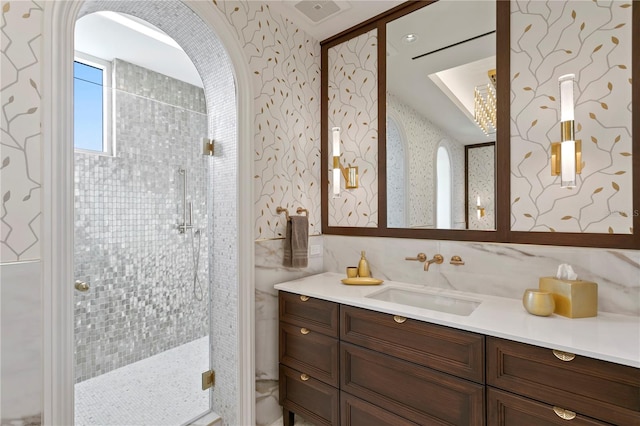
{"points": [[567, 138], [479, 209], [566, 97], [568, 164], [336, 160]]}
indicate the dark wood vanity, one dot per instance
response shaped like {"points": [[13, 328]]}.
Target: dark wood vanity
{"points": [[345, 365]]}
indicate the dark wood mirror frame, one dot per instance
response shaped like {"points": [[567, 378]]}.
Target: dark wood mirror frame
{"points": [[503, 233]]}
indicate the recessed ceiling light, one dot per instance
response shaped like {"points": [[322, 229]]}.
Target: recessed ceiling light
{"points": [[410, 38]]}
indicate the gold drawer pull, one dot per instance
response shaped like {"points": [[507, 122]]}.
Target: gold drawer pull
{"points": [[304, 378], [564, 414], [563, 356], [304, 298], [399, 319], [304, 330]]}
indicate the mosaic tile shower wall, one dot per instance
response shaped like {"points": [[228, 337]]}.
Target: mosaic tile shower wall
{"points": [[142, 299]]}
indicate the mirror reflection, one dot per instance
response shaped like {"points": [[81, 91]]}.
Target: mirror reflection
{"points": [[440, 99]]}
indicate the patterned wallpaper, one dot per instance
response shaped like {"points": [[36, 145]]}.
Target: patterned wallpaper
{"points": [[481, 172], [353, 106], [20, 83], [396, 175], [423, 140], [285, 63], [593, 41]]}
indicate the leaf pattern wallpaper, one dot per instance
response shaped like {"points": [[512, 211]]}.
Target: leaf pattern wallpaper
{"points": [[423, 140], [397, 185], [591, 39], [481, 172], [285, 63], [353, 106], [21, 135]]}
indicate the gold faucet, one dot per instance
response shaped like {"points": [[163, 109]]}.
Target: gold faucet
{"points": [[436, 259]]}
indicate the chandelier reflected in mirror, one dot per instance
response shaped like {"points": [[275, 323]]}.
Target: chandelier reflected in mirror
{"points": [[484, 104]]}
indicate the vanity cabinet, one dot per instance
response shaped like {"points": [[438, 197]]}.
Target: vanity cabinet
{"points": [[420, 372], [563, 384], [309, 362], [341, 364], [457, 352], [384, 369]]}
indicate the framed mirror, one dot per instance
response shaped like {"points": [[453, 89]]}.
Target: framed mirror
{"points": [[440, 97], [424, 119], [409, 208]]}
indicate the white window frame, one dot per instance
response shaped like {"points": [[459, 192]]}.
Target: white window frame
{"points": [[108, 104]]}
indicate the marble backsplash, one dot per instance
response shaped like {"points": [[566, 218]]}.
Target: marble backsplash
{"points": [[21, 343], [496, 269], [504, 270], [268, 272]]}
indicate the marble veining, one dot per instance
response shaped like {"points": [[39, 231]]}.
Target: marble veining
{"points": [[269, 271], [504, 270], [21, 337]]}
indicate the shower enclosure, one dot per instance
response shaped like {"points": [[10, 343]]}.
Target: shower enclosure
{"points": [[142, 238]]}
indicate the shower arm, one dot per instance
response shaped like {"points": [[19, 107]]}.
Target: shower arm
{"points": [[184, 226]]}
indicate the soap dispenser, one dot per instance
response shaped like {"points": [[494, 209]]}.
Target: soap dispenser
{"points": [[363, 266]]}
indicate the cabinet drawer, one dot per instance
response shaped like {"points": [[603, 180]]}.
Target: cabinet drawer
{"points": [[599, 389], [311, 398], [417, 393], [457, 352], [310, 352], [314, 314], [356, 412], [506, 409]]}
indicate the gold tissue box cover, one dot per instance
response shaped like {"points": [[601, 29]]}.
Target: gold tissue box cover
{"points": [[573, 298]]}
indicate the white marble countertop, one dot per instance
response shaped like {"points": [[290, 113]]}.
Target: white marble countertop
{"points": [[608, 337]]}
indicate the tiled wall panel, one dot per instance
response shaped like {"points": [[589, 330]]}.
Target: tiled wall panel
{"points": [[128, 248]]}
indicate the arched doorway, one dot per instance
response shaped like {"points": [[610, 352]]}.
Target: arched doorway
{"points": [[233, 357]]}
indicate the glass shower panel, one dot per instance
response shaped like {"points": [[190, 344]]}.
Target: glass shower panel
{"points": [[142, 328]]}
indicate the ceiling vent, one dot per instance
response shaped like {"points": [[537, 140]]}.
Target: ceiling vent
{"points": [[317, 11]]}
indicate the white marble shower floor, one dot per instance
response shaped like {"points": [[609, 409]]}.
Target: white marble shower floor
{"points": [[162, 390]]}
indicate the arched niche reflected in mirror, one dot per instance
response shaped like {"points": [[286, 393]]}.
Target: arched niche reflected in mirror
{"points": [[440, 92]]}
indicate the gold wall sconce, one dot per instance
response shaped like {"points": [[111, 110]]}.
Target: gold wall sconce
{"points": [[350, 173], [479, 209], [566, 155]]}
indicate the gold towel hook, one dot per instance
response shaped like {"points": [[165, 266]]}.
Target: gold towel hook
{"points": [[281, 210], [301, 210]]}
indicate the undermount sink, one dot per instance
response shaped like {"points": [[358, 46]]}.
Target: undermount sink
{"points": [[422, 299]]}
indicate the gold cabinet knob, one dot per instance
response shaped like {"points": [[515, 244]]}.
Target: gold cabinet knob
{"points": [[563, 356], [304, 298], [304, 377], [399, 319], [304, 330], [564, 414]]}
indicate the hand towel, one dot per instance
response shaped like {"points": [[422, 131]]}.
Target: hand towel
{"points": [[296, 242]]}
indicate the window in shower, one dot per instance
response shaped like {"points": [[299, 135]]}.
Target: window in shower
{"points": [[91, 104]]}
